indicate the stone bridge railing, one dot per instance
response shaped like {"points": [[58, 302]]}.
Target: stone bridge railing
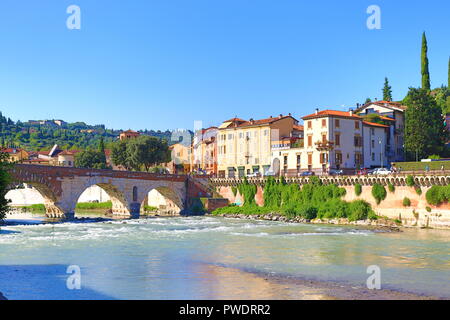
{"points": [[396, 180]]}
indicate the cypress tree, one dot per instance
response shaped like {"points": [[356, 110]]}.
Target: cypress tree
{"points": [[387, 90], [425, 71]]}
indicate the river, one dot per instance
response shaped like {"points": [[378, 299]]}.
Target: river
{"points": [[219, 258]]}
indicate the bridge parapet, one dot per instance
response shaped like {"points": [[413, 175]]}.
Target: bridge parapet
{"points": [[396, 180]]}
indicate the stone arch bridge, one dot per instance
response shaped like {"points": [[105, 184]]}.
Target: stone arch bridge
{"points": [[62, 186]]}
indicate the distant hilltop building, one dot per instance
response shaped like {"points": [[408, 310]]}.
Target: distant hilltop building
{"points": [[58, 123], [129, 134]]}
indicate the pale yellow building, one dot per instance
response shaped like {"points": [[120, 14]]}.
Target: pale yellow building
{"points": [[16, 154], [244, 147]]}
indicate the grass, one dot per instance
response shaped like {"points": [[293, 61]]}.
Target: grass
{"points": [[420, 166], [34, 208], [94, 205]]}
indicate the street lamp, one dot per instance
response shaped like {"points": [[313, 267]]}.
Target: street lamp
{"points": [[381, 148]]}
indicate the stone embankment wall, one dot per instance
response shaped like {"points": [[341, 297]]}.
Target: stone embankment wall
{"points": [[392, 207]]}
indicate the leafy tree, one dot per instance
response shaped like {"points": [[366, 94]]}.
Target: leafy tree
{"points": [[448, 83], [119, 154], [425, 132], [5, 180], [425, 69], [387, 90], [90, 159], [142, 152]]}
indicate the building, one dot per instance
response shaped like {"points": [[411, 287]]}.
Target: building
{"points": [[204, 151], [244, 147], [332, 140], [181, 155], [393, 114], [16, 154], [129, 134]]}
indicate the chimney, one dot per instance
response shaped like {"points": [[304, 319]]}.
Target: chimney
{"points": [[317, 111], [281, 116], [357, 105], [351, 112], [290, 115]]}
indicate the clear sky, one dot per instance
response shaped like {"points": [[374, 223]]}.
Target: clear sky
{"points": [[162, 64]]}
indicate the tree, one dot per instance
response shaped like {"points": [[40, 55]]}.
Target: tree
{"points": [[5, 180], [368, 100], [140, 153], [90, 159], [425, 70], [448, 83], [425, 132], [387, 90], [147, 151], [119, 154]]}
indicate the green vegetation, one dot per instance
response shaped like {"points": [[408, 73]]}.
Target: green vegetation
{"points": [[94, 205], [410, 181], [391, 187], [421, 166], [428, 209], [148, 208], [234, 190], [378, 192], [387, 90], [425, 132], [5, 180], [68, 136], [358, 189], [313, 200], [140, 153], [248, 192], [437, 195], [406, 202], [425, 70], [418, 191], [91, 159], [34, 208]]}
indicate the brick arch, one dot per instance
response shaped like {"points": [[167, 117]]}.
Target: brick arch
{"points": [[170, 194]]}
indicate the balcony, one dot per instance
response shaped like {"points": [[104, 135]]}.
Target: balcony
{"points": [[324, 145]]}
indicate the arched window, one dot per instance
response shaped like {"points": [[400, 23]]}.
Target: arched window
{"points": [[135, 194]]}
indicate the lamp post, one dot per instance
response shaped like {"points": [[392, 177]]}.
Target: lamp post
{"points": [[381, 149]]}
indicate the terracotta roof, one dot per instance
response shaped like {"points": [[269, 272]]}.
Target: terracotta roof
{"points": [[131, 131], [335, 113], [299, 127], [373, 124], [11, 150], [264, 121], [386, 104], [235, 120]]}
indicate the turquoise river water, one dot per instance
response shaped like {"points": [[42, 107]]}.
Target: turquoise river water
{"points": [[219, 258]]}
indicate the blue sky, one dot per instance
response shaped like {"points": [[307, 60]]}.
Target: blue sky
{"points": [[162, 64]]}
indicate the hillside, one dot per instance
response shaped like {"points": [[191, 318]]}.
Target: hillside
{"points": [[42, 135]]}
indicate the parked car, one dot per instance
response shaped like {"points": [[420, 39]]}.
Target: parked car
{"points": [[381, 172], [335, 172], [307, 174], [254, 175], [362, 172]]}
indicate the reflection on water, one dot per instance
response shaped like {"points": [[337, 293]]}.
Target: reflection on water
{"points": [[215, 258]]}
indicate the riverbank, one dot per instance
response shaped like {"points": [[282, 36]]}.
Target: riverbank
{"points": [[262, 286], [382, 224]]}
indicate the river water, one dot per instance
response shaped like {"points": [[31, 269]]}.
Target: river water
{"points": [[219, 258]]}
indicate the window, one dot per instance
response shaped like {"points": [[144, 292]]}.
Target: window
{"points": [[266, 132], [338, 140], [309, 124], [373, 143], [309, 141], [372, 131], [298, 162], [323, 158], [358, 141], [357, 125], [324, 138], [310, 159], [324, 123], [358, 159], [135, 194], [337, 123], [373, 156], [230, 136], [338, 158]]}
